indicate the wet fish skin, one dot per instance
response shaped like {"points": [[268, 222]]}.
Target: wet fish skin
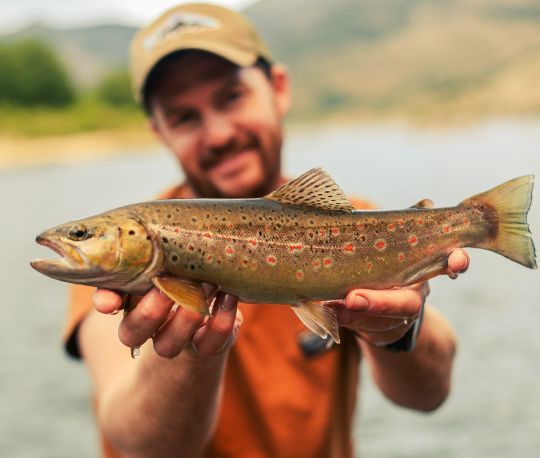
{"points": [[300, 245]]}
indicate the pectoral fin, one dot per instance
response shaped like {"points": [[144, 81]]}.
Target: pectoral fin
{"points": [[318, 318], [184, 292]]}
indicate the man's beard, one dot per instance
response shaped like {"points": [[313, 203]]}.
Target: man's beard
{"points": [[270, 163]]}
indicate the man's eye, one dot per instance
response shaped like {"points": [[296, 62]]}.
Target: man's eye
{"points": [[233, 96], [183, 118]]}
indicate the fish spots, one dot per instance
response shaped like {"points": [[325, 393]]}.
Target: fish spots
{"points": [[369, 266], [420, 221], [362, 237], [401, 257], [208, 235], [310, 234], [245, 262], [209, 259], [316, 264], [348, 248], [299, 274], [380, 244], [174, 258], [229, 251], [295, 247], [327, 262], [190, 247], [391, 227], [253, 243], [271, 260], [412, 240], [322, 232], [446, 229], [401, 222], [430, 249], [334, 231], [466, 221]]}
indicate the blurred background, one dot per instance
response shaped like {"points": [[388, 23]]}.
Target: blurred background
{"points": [[397, 99]]}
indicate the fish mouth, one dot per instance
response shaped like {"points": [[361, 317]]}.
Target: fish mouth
{"points": [[70, 263]]}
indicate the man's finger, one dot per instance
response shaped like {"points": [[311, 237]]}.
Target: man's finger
{"points": [[458, 262], [398, 302], [212, 338], [174, 335], [106, 301], [145, 319]]}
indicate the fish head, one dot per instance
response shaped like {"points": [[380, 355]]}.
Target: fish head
{"points": [[108, 250]]}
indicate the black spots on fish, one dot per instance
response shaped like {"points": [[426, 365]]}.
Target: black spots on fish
{"points": [[244, 217], [154, 221], [158, 210], [174, 258], [311, 222], [131, 232], [208, 216], [177, 210], [148, 237], [193, 219], [229, 210], [169, 216], [165, 240]]}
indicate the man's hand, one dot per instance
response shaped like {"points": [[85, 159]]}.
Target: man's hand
{"points": [[173, 331], [383, 316]]}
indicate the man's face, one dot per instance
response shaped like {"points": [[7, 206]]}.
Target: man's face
{"points": [[223, 123]]}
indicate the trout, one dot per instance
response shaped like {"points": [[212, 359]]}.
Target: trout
{"points": [[303, 244]]}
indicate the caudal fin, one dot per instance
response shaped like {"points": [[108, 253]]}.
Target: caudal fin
{"points": [[509, 203]]}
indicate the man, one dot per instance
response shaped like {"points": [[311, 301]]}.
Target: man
{"points": [[240, 383]]}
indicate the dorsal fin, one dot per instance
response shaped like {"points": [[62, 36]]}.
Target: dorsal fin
{"points": [[424, 203], [314, 188]]}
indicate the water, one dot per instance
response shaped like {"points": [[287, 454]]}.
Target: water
{"points": [[493, 410]]}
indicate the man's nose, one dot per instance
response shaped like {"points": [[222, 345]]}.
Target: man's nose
{"points": [[218, 130]]}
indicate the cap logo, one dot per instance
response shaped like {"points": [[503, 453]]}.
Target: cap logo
{"points": [[180, 23]]}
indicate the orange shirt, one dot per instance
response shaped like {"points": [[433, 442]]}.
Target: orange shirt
{"points": [[277, 402]]}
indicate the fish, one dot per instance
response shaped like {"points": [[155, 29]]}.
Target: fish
{"points": [[302, 245]]}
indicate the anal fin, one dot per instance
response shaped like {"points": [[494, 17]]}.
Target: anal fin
{"points": [[438, 266], [318, 318], [184, 292]]}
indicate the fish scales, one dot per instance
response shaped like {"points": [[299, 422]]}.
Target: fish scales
{"points": [[300, 245]]}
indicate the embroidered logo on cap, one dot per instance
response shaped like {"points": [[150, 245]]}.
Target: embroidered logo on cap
{"points": [[178, 24]]}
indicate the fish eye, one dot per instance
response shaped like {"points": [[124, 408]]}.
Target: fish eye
{"points": [[78, 233]]}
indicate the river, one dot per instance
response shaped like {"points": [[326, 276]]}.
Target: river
{"points": [[494, 308]]}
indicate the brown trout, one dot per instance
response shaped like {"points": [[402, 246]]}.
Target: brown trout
{"points": [[300, 245]]}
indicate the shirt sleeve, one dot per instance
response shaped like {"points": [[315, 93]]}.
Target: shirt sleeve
{"points": [[79, 304]]}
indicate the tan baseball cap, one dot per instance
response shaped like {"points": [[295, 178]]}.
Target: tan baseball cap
{"points": [[199, 26]]}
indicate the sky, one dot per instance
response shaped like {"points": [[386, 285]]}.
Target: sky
{"points": [[16, 14]]}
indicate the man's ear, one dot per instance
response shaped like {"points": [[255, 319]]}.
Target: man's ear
{"points": [[153, 125], [281, 86]]}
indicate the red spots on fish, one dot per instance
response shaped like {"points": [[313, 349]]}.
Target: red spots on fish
{"points": [[267, 228], [431, 249], [229, 225], [295, 247], [391, 227], [271, 260], [334, 231], [360, 226], [253, 264], [208, 235], [177, 230], [253, 243], [209, 258], [413, 240], [191, 247], [299, 274], [420, 221], [446, 229], [401, 222], [466, 221], [401, 257], [327, 262], [322, 232], [316, 264], [229, 250], [245, 262], [369, 266], [380, 244], [348, 248]]}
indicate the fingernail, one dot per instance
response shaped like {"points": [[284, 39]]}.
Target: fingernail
{"points": [[453, 275], [228, 302], [360, 302]]}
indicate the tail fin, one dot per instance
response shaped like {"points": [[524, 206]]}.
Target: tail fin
{"points": [[511, 202]]}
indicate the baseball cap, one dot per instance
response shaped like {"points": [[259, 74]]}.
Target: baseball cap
{"points": [[199, 26]]}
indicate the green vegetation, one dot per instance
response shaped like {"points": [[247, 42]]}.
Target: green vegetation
{"points": [[37, 97], [32, 76]]}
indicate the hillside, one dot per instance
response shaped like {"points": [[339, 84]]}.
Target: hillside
{"points": [[418, 59]]}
